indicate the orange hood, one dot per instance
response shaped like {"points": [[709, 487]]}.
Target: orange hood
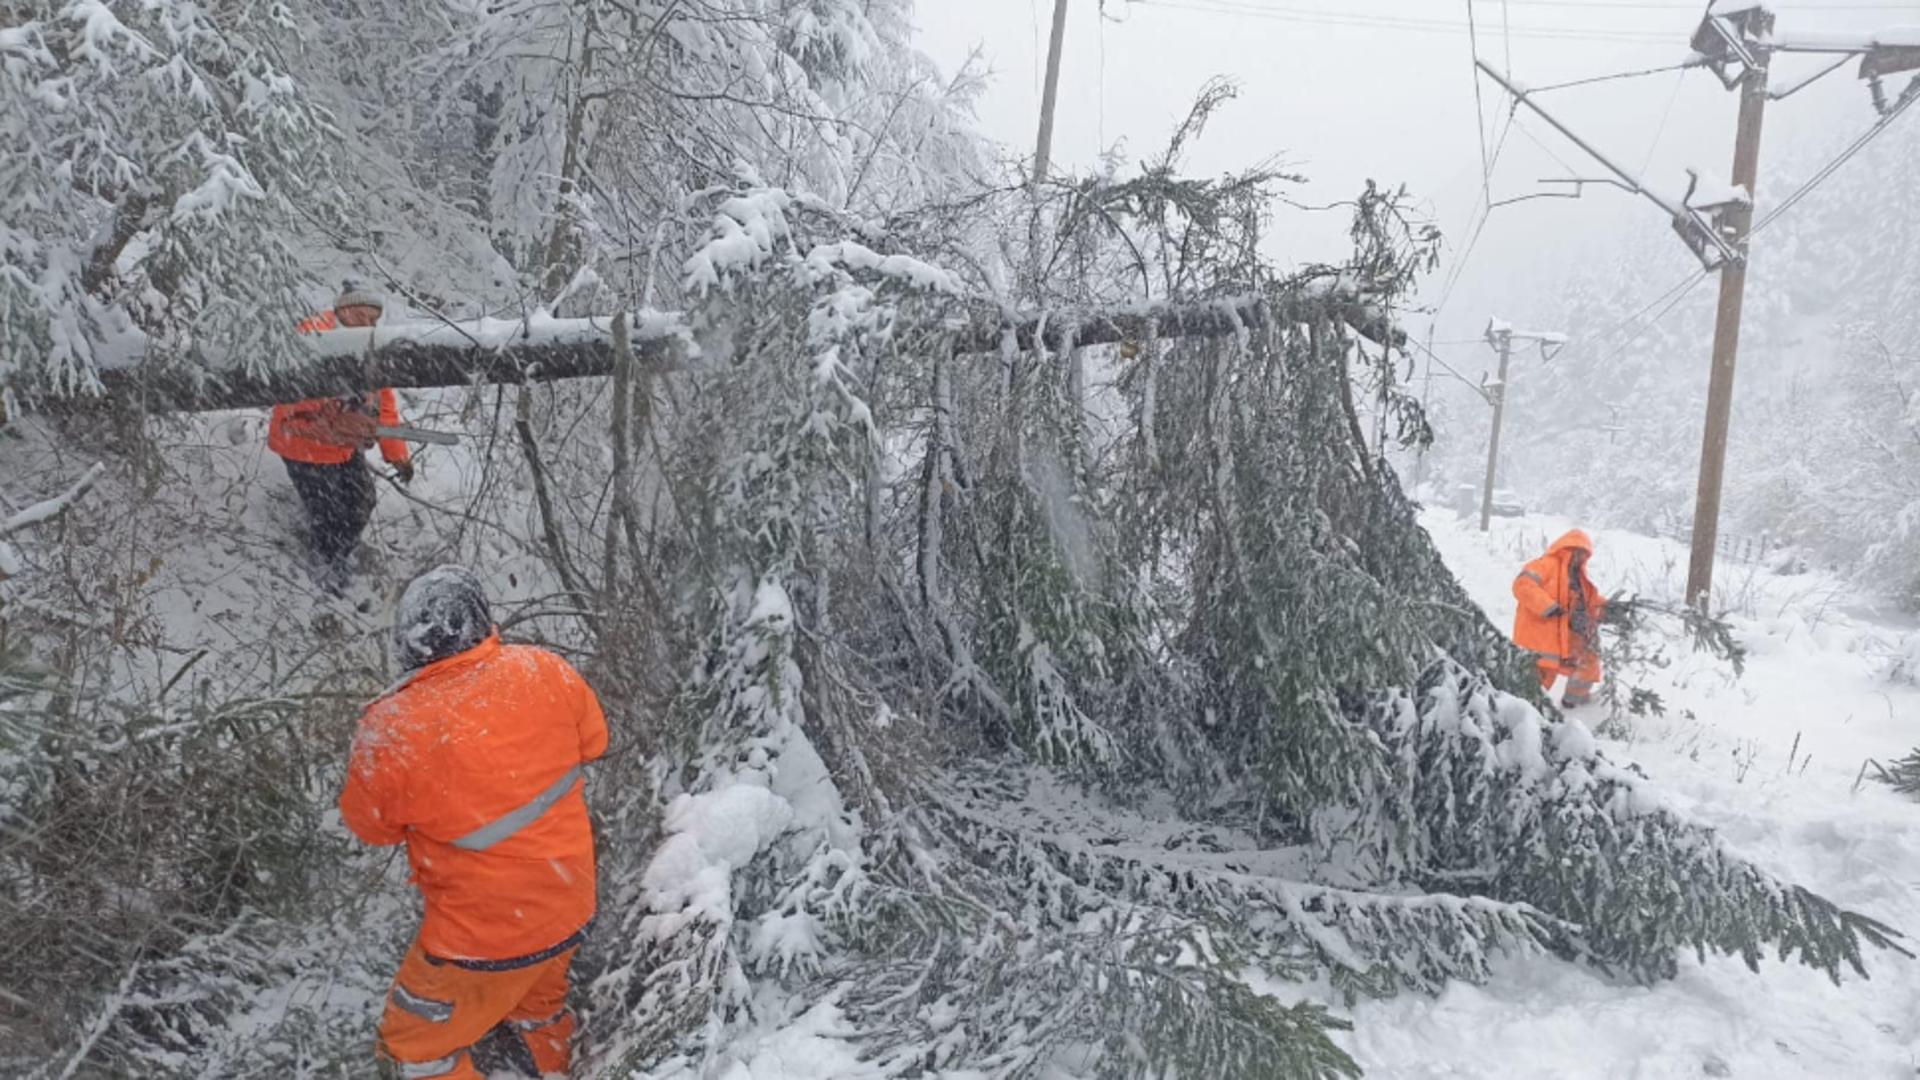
{"points": [[1575, 539]]}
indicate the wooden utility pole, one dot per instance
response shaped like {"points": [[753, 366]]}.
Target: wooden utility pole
{"points": [[1503, 340], [1043, 146], [1502, 336], [1738, 223]]}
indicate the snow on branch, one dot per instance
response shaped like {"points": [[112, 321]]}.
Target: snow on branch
{"points": [[540, 349], [1365, 944], [1500, 801], [11, 565], [47, 509]]}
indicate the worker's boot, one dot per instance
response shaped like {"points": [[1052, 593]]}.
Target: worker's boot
{"points": [[331, 575]]}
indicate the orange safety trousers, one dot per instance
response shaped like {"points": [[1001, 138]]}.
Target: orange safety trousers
{"points": [[1582, 672], [438, 1010]]}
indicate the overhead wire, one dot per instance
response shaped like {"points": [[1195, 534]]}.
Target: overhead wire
{"points": [[1681, 67], [1906, 100], [1101, 116], [1324, 17], [1479, 109], [1683, 5], [1485, 212], [1435, 358], [1033, 25], [1667, 301], [1660, 130], [1671, 298], [1506, 31], [1548, 150]]}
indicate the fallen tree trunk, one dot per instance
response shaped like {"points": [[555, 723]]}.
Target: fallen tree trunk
{"points": [[419, 355], [1219, 318], [405, 356]]}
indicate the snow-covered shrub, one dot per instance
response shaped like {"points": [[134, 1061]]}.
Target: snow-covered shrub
{"points": [[1904, 774]]}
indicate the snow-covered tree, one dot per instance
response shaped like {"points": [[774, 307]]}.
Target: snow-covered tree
{"points": [[865, 813], [158, 159], [1020, 654]]}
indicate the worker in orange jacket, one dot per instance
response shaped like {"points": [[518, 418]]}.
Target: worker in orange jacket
{"points": [[474, 761], [320, 441], [1559, 616]]}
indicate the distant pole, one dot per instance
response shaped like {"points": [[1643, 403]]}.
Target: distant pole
{"points": [[1426, 392], [1726, 331], [1043, 146], [1502, 340]]}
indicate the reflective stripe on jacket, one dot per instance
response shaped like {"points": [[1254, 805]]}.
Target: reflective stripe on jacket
{"points": [[1546, 583], [474, 762], [297, 431]]}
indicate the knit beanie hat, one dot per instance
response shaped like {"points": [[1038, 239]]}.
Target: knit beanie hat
{"points": [[443, 612], [355, 293]]}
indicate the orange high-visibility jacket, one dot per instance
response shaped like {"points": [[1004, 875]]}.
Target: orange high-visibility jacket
{"points": [[1546, 583], [475, 762], [296, 432]]}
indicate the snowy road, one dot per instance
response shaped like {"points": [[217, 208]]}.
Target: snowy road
{"points": [[1816, 677]]}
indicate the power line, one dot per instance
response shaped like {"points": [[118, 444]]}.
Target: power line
{"points": [[1672, 298], [1434, 358], [1535, 140], [1907, 98], [1101, 121], [1665, 115], [1479, 110], [1486, 212], [1322, 17], [1506, 30], [1682, 5], [1682, 66]]}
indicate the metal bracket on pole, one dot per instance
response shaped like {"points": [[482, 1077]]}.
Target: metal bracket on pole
{"points": [[1722, 41], [1579, 188]]}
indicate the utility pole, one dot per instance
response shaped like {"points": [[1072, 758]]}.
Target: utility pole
{"points": [[1043, 146], [1738, 224], [1502, 336], [1504, 342]]}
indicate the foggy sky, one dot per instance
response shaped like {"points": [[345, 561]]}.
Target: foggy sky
{"points": [[1344, 103]]}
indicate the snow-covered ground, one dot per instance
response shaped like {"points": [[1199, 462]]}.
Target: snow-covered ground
{"points": [[1774, 760]]}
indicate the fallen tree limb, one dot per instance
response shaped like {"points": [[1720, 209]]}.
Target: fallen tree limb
{"points": [[403, 356], [418, 355]]}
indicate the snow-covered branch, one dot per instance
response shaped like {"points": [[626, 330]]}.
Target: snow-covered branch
{"points": [[45, 510], [542, 349]]}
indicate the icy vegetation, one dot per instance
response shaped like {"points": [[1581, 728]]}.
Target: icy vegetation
{"points": [[980, 520]]}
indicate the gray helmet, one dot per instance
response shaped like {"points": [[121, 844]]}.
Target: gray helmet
{"points": [[356, 293], [443, 612]]}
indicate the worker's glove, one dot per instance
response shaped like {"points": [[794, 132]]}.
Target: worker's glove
{"points": [[403, 471], [1554, 612], [1582, 625]]}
